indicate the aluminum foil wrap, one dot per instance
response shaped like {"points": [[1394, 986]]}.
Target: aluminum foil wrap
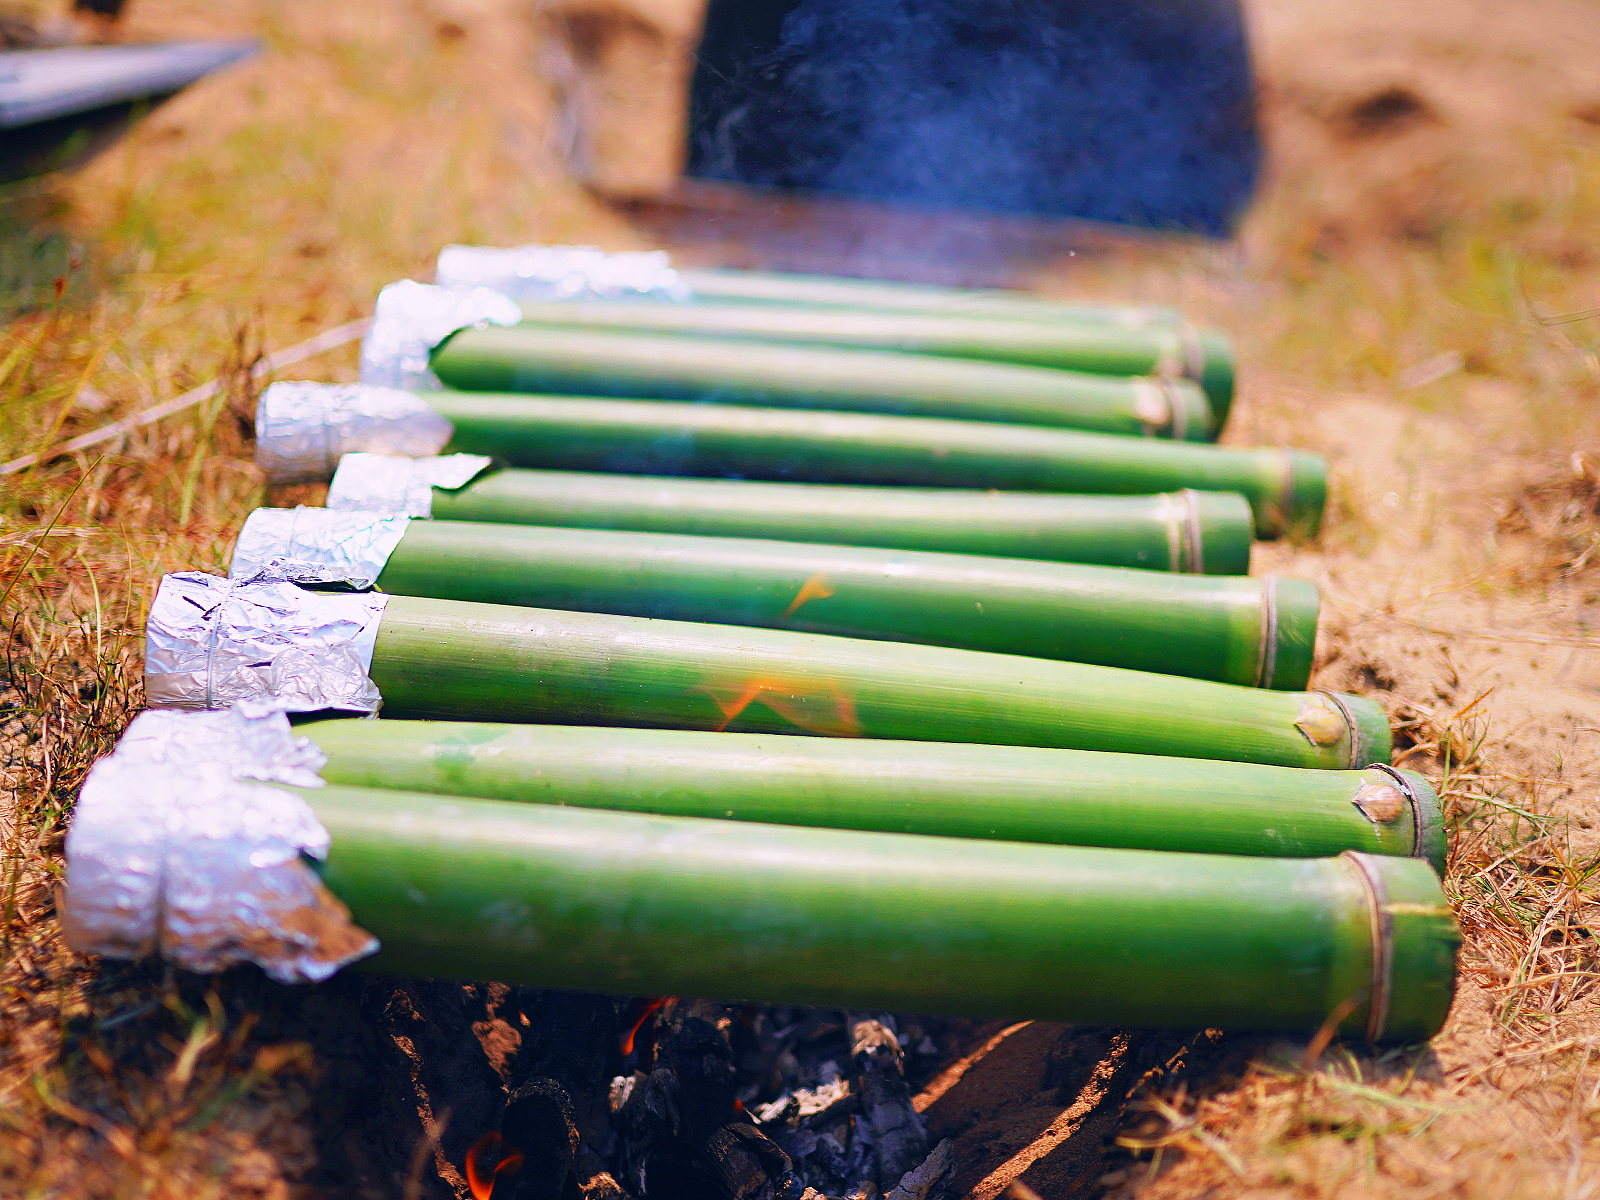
{"points": [[252, 739], [204, 867], [303, 428], [171, 850], [562, 273], [411, 318], [210, 643], [316, 545], [382, 483]]}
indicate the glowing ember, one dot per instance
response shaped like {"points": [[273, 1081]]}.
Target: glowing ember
{"points": [[822, 709], [508, 1161], [650, 1009], [815, 588]]}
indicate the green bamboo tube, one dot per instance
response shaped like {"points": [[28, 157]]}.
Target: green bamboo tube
{"points": [[1005, 793], [841, 291], [1101, 348], [1215, 352], [1256, 632], [617, 902], [532, 358], [1286, 489], [1195, 532], [462, 661]]}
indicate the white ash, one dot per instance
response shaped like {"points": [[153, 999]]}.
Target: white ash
{"points": [[930, 1180], [805, 1102], [621, 1088]]}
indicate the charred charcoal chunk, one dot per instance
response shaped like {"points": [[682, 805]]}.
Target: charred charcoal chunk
{"points": [[537, 1124], [684, 1136], [568, 1037], [888, 1121]]}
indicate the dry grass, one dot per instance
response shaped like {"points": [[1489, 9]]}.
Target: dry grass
{"points": [[1507, 1102], [237, 218], [1417, 330]]}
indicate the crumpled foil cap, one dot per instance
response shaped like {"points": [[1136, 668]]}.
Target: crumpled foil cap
{"points": [[382, 483], [203, 867], [210, 643], [253, 739], [303, 428], [411, 318], [315, 545], [537, 272]]}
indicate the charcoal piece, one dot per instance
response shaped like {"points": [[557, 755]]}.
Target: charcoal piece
{"points": [[889, 1124], [537, 1123], [445, 1079], [756, 1052], [822, 1149], [698, 1051], [683, 1136], [593, 1180], [569, 1038], [750, 1165], [931, 1180], [676, 1148]]}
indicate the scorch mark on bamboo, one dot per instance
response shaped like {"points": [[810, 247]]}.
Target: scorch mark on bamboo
{"points": [[835, 717], [815, 588]]}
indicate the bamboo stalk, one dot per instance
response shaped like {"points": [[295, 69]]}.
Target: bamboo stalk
{"points": [[1255, 632], [1195, 532], [1286, 489], [531, 358], [1006, 793], [1100, 347], [560, 897], [838, 291], [1216, 377], [462, 661]]}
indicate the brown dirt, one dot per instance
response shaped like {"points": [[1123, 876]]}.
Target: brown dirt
{"points": [[1398, 295]]}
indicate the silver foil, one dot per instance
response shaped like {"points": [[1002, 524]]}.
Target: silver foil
{"points": [[380, 483], [252, 739], [170, 850], [411, 318], [203, 867], [303, 428], [210, 643], [316, 545], [537, 272]]}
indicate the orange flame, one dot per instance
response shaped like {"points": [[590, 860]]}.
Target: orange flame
{"points": [[815, 588], [835, 716], [490, 1144], [650, 1009]]}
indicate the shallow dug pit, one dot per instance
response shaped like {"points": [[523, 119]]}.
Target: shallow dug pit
{"points": [[368, 1087]]}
